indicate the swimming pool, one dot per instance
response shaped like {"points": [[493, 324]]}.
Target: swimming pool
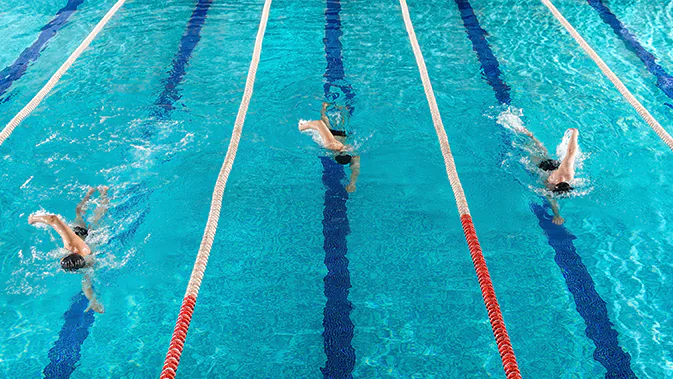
{"points": [[125, 116]]}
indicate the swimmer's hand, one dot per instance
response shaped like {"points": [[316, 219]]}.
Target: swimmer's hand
{"points": [[350, 187], [526, 132], [558, 220], [95, 306]]}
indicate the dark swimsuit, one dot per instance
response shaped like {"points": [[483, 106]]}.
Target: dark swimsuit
{"points": [[337, 133], [549, 164], [80, 231]]}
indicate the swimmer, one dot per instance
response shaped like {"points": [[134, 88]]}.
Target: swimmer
{"points": [[73, 240], [334, 140], [560, 173]]}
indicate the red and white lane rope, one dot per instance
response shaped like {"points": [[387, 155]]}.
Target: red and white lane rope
{"points": [[188, 302], [647, 117], [494, 314], [14, 122]]}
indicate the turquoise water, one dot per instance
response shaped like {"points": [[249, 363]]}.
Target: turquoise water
{"points": [[418, 311]]}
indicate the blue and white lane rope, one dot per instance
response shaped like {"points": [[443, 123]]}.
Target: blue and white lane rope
{"points": [[15, 71], [644, 113], [14, 122], [664, 79], [502, 340], [189, 300]]}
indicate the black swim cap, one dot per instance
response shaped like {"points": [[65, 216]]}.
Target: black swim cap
{"points": [[80, 231], [562, 188], [73, 262], [549, 164], [343, 158]]}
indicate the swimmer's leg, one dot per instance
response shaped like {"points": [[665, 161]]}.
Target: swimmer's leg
{"points": [[328, 139], [568, 162], [55, 222], [103, 207], [323, 114], [539, 146], [81, 208]]}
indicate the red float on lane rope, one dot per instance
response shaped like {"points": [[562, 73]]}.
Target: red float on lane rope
{"points": [[488, 293], [495, 316]]}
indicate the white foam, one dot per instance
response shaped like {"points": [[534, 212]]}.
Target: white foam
{"points": [[26, 182], [510, 119]]}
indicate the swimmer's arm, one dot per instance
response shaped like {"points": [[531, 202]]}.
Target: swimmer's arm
{"points": [[537, 142], [103, 207], [87, 288], [81, 207], [558, 220], [355, 172], [540, 145], [323, 114]]}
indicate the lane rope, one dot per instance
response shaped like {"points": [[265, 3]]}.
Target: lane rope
{"points": [[14, 122], [187, 309], [664, 79], [644, 113], [15, 71], [488, 293]]}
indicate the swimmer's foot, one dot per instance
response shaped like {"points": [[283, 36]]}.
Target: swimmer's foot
{"points": [[306, 125], [103, 190], [558, 220], [45, 219], [95, 306]]}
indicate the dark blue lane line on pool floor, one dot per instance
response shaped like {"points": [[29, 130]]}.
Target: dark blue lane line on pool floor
{"points": [[490, 67], [338, 327], [664, 80], [164, 105], [335, 73], [15, 71], [589, 303], [591, 307], [65, 353], [489, 63], [191, 37]]}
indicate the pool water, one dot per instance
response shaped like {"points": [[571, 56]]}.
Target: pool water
{"points": [[417, 310]]}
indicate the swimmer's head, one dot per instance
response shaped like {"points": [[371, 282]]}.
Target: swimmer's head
{"points": [[73, 262], [343, 158], [562, 188]]}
